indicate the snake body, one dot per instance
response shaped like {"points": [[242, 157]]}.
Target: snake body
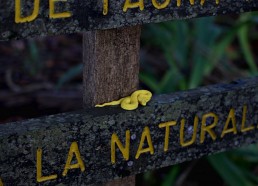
{"points": [[131, 102]]}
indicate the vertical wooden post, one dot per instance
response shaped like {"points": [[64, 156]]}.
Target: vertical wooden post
{"points": [[111, 68], [111, 64]]}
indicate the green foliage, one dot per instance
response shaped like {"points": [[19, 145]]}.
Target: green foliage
{"points": [[244, 43], [69, 75], [185, 45], [228, 170], [234, 167], [192, 50], [171, 177], [32, 62]]}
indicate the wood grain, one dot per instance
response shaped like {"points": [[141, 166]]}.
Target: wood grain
{"points": [[88, 15], [92, 130], [111, 64], [111, 68]]}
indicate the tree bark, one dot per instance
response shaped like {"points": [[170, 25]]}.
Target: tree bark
{"points": [[111, 69]]}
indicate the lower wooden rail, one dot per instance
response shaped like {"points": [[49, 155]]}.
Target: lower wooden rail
{"points": [[100, 144]]}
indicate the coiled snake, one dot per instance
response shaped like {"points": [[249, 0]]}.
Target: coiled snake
{"points": [[131, 102]]}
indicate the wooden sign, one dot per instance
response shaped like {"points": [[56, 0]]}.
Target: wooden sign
{"points": [[100, 144], [29, 18]]}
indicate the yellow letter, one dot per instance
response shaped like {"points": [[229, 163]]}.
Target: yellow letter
{"points": [[54, 15], [124, 150], [159, 5], [74, 150], [182, 143], [19, 19], [208, 129], [178, 3], [145, 134], [192, 2], [105, 7], [129, 4], [167, 125], [231, 116], [41, 178], [1, 182], [203, 1], [243, 128]]}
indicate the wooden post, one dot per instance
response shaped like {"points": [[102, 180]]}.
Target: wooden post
{"points": [[111, 64], [111, 68]]}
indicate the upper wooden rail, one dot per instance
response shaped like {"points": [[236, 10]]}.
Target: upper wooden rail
{"points": [[30, 18]]}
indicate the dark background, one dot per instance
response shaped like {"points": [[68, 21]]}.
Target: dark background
{"points": [[43, 76]]}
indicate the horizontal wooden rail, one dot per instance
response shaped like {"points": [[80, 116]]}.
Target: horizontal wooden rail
{"points": [[23, 19], [101, 144]]}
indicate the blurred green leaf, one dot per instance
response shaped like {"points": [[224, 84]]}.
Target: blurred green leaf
{"points": [[171, 177], [232, 174], [32, 62], [192, 50], [69, 75], [244, 44], [149, 80], [251, 176], [249, 153]]}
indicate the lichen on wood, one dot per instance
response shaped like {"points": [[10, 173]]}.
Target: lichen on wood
{"points": [[232, 107], [72, 16]]}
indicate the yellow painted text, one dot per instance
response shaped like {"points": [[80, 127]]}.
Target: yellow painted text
{"points": [[19, 18], [190, 142], [167, 126], [74, 150], [125, 150], [105, 7], [145, 135], [231, 118], [41, 178], [53, 14], [208, 129], [159, 5], [156, 3], [243, 127], [129, 4], [29, 18]]}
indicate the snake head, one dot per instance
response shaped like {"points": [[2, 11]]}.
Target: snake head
{"points": [[143, 102], [143, 99]]}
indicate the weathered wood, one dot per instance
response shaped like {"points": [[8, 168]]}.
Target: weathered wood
{"points": [[92, 130], [111, 68], [111, 64], [85, 15]]}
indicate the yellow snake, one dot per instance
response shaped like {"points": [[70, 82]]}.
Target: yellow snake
{"points": [[131, 102]]}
